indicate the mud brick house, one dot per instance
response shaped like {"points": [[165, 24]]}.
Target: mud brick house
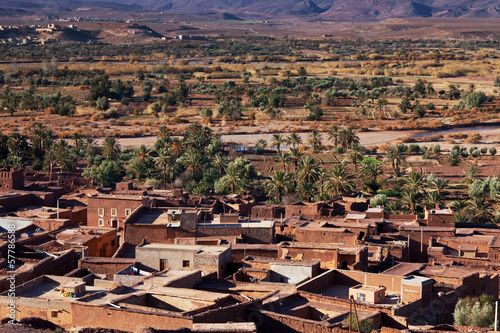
{"points": [[329, 255], [157, 225], [313, 232], [278, 270], [469, 247], [354, 204], [450, 283], [208, 259], [439, 218], [240, 251], [11, 179], [238, 203], [404, 297], [94, 242], [267, 212], [105, 304], [307, 312], [51, 218], [420, 236], [161, 225], [370, 294], [111, 210]]}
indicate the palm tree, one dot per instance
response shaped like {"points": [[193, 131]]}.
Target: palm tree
{"points": [[283, 160], [370, 169], [438, 184], [414, 183], [308, 170], [142, 166], [480, 208], [261, 143], [232, 177], [163, 139], [348, 137], [176, 147], [433, 199], [90, 146], [355, 153], [307, 191], [315, 140], [277, 184], [49, 159], [111, 149], [381, 102], [78, 141], [471, 174], [277, 141], [394, 207], [194, 162], [63, 157], [294, 140], [459, 205], [410, 199], [40, 140], [166, 164], [295, 155], [220, 163], [333, 134], [339, 181], [396, 156]]}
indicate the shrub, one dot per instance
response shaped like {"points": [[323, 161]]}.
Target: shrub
{"points": [[473, 138], [389, 193], [378, 200]]}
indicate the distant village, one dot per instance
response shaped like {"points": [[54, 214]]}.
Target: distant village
{"points": [[32, 34], [131, 258]]}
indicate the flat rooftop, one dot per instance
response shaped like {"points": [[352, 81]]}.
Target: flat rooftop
{"points": [[403, 269], [241, 224], [155, 216], [176, 247], [342, 292], [277, 261], [118, 197], [17, 222], [51, 290], [325, 246], [367, 288]]}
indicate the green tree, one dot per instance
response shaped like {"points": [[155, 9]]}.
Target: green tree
{"points": [[474, 99], [314, 140], [102, 103], [355, 154], [307, 191], [277, 141], [414, 183], [275, 187], [378, 200], [395, 157], [333, 134], [471, 174], [308, 170], [339, 181], [475, 312], [294, 140], [111, 148], [410, 199], [106, 174]]}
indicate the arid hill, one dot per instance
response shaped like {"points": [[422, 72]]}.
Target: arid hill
{"points": [[343, 10]]}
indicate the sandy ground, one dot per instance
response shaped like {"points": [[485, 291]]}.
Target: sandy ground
{"points": [[490, 137], [366, 138]]}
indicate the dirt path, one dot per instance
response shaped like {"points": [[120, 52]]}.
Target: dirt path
{"points": [[366, 138]]}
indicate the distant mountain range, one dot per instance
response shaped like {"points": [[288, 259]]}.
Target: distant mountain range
{"points": [[343, 10]]}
